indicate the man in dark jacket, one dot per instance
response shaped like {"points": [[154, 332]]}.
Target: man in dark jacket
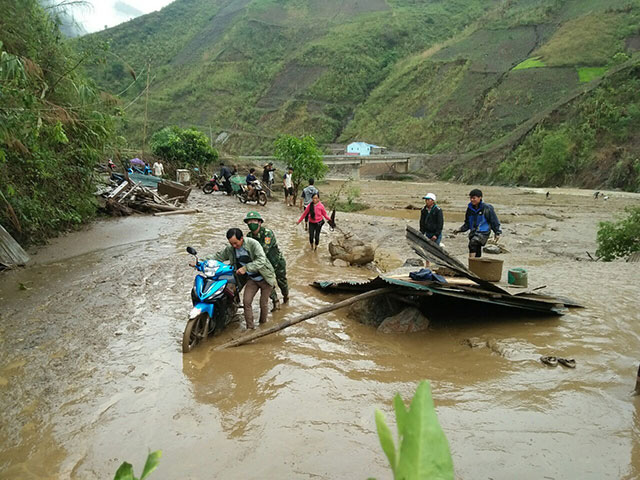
{"points": [[225, 176], [431, 219], [480, 219]]}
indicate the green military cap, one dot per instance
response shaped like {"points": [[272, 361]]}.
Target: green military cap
{"points": [[253, 216]]}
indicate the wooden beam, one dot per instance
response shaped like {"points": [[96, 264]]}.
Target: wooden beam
{"points": [[301, 318]]}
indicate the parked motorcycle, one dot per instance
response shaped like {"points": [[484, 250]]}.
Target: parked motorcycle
{"points": [[212, 185], [215, 301], [257, 195]]}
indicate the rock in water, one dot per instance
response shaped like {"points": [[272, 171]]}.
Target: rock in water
{"points": [[408, 320], [492, 249], [351, 250]]}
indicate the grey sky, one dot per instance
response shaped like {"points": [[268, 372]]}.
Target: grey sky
{"points": [[113, 12]]}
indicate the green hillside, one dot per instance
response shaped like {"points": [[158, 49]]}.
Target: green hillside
{"points": [[439, 76]]}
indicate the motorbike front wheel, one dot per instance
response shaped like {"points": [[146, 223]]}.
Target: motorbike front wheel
{"points": [[208, 188], [262, 198], [196, 331], [242, 197]]}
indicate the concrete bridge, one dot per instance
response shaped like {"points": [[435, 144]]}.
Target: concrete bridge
{"points": [[353, 165], [343, 166]]}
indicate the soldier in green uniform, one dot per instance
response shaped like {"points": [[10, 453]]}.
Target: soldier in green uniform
{"points": [[268, 241]]}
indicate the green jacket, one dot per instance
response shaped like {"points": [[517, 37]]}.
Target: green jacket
{"points": [[259, 262], [267, 239]]}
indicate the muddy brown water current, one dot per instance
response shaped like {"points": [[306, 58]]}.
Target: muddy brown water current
{"points": [[92, 373]]}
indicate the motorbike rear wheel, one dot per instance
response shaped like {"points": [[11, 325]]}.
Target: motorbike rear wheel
{"points": [[196, 331], [262, 198], [208, 188]]}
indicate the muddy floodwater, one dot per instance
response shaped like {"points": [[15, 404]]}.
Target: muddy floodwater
{"points": [[92, 373]]}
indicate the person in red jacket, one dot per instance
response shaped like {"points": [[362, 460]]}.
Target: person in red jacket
{"points": [[317, 213]]}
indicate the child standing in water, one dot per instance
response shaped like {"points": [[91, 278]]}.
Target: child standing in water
{"points": [[316, 214]]}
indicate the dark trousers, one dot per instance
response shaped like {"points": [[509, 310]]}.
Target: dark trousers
{"points": [[476, 241], [314, 232]]}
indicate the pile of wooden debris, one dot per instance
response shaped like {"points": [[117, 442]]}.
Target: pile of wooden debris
{"points": [[132, 197]]}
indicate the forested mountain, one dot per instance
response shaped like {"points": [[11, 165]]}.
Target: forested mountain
{"points": [[529, 91]]}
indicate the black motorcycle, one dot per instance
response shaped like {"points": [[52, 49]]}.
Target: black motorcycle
{"points": [[256, 194]]}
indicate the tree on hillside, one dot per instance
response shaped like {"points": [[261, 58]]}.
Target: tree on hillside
{"points": [[183, 147], [303, 155]]}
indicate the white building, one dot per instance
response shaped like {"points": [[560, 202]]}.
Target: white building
{"points": [[363, 148]]}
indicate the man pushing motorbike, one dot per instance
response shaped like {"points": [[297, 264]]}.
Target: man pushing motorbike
{"points": [[253, 269], [267, 239]]}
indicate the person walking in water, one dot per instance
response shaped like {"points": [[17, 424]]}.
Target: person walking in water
{"points": [[431, 219], [267, 239], [305, 199], [479, 220], [317, 214]]}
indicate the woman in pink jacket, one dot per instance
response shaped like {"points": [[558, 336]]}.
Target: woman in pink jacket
{"points": [[317, 214]]}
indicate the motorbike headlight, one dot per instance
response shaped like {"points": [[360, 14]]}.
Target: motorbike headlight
{"points": [[210, 268]]}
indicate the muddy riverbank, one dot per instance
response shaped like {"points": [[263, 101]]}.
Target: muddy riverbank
{"points": [[91, 371]]}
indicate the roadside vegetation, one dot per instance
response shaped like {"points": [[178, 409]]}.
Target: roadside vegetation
{"points": [[620, 238], [55, 126]]}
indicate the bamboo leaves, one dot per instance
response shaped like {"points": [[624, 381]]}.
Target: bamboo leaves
{"points": [[423, 451]]}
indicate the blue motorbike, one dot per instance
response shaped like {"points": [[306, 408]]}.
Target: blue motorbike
{"points": [[215, 301]]}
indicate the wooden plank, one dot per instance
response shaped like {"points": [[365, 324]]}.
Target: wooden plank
{"points": [[11, 253], [118, 189], [177, 212], [306, 316]]}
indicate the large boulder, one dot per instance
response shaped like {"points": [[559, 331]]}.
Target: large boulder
{"points": [[351, 249], [408, 320]]}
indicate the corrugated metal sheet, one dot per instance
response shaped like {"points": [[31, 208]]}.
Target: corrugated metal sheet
{"points": [[543, 304]]}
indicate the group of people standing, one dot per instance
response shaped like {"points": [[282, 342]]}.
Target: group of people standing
{"points": [[480, 220]]}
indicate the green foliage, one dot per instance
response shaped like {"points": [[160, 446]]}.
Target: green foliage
{"points": [[303, 155], [585, 135], [125, 472], [183, 147], [586, 74], [541, 160], [54, 129], [533, 62], [423, 451], [621, 238]]}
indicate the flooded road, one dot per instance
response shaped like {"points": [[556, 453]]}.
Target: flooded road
{"points": [[92, 373]]}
